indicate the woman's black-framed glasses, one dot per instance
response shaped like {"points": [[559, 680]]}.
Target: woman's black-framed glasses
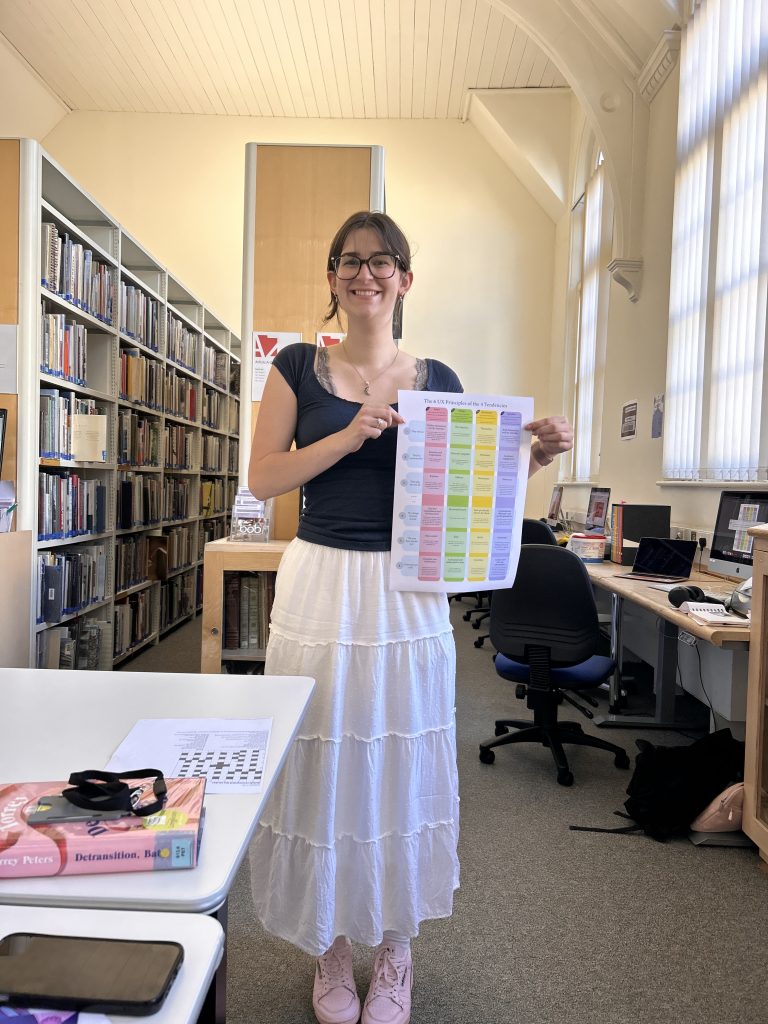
{"points": [[381, 265]]}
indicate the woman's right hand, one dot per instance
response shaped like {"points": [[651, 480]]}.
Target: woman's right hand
{"points": [[370, 422]]}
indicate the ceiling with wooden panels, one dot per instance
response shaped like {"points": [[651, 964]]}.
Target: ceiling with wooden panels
{"points": [[276, 58]]}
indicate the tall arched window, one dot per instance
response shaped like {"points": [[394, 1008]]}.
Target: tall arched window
{"points": [[587, 317], [717, 393]]}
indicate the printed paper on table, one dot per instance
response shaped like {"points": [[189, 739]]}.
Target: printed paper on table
{"points": [[266, 345], [460, 480], [230, 753]]}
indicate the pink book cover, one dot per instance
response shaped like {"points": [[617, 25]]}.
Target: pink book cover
{"points": [[159, 842]]}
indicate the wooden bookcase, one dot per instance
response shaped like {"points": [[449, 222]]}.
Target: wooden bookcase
{"points": [[159, 364], [222, 556], [755, 816]]}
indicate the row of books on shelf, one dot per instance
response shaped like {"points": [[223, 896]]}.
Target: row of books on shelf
{"points": [[70, 505], [180, 547], [139, 500], [72, 271], [141, 379], [209, 529], [233, 456], [213, 452], [131, 561], [138, 439], [214, 404], [215, 366], [138, 315], [212, 499], [147, 382], [69, 581], [35, 845], [67, 423], [133, 621], [182, 344], [63, 347], [80, 644], [177, 598], [178, 451], [248, 601]]}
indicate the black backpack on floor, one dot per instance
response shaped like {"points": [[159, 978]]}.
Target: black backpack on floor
{"points": [[671, 786]]}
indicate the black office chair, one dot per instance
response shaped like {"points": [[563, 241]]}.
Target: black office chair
{"points": [[546, 632], [535, 531]]}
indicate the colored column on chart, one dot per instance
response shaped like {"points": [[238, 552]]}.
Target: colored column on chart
{"points": [[433, 493], [459, 480], [483, 476], [506, 487]]}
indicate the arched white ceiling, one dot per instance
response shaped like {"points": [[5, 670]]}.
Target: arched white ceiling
{"points": [[353, 59]]}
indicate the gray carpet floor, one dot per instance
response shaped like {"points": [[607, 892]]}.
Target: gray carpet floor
{"points": [[549, 926]]}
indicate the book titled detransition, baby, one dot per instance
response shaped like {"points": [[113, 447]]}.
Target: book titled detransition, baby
{"points": [[163, 841]]}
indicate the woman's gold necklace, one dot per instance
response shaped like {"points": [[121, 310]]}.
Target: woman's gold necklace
{"points": [[367, 383]]}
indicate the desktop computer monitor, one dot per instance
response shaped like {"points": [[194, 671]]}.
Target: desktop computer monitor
{"points": [[597, 509], [553, 515], [731, 549]]}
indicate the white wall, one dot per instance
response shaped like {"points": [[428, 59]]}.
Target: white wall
{"points": [[484, 249]]}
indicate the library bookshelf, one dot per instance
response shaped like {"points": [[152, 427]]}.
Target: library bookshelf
{"points": [[225, 560], [128, 428]]}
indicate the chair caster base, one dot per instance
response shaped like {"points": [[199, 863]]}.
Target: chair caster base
{"points": [[565, 777], [487, 756], [500, 730], [621, 761], [479, 642]]}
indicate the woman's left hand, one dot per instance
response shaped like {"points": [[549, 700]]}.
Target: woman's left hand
{"points": [[554, 436]]}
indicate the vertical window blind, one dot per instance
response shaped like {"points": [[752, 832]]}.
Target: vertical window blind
{"points": [[719, 285], [591, 226]]}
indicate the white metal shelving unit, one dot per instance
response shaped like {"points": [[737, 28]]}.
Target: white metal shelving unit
{"points": [[192, 353]]}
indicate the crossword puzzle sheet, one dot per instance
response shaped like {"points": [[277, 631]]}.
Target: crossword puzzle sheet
{"points": [[230, 753], [225, 766]]}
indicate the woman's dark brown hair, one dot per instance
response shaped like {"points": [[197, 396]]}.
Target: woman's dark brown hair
{"points": [[393, 238]]}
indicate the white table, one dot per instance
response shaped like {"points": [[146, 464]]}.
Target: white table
{"points": [[54, 723], [201, 937]]}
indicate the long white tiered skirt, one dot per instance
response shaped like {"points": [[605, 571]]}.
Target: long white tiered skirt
{"points": [[360, 832]]}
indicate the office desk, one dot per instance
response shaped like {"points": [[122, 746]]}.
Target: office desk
{"points": [[201, 938], [55, 723], [671, 621]]}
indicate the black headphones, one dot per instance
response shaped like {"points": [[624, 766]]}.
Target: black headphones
{"points": [[680, 594]]}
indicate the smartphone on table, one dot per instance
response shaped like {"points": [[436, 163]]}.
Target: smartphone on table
{"points": [[70, 972]]}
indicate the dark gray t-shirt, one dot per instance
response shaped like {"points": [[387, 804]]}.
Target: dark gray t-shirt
{"points": [[349, 505]]}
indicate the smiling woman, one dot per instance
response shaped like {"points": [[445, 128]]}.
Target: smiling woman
{"points": [[358, 841]]}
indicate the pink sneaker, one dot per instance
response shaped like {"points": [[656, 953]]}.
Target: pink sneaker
{"points": [[334, 996], [389, 996]]}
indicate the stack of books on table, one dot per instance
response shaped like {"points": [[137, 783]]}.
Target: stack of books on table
{"points": [[90, 845]]}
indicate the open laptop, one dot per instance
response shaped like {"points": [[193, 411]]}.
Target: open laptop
{"points": [[663, 560]]}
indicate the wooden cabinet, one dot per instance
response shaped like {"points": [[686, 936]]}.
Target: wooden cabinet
{"points": [[755, 822], [220, 557]]}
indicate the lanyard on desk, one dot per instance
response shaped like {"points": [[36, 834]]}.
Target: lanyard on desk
{"points": [[106, 791]]}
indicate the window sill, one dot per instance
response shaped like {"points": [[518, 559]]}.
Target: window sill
{"points": [[721, 485]]}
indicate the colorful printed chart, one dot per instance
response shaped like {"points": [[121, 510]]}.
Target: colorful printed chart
{"points": [[460, 481]]}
